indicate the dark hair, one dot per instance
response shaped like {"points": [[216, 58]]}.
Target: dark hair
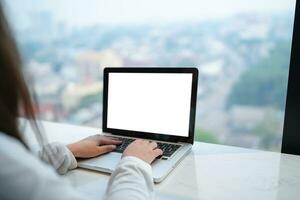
{"points": [[15, 98]]}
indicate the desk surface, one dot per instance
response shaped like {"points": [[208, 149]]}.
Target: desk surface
{"points": [[209, 172]]}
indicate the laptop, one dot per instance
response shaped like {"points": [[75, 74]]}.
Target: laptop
{"points": [[156, 104]]}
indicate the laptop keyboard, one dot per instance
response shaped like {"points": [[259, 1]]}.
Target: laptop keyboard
{"points": [[168, 149]]}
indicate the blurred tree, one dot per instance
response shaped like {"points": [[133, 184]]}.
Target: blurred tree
{"points": [[90, 99], [205, 136], [269, 131], [265, 83]]}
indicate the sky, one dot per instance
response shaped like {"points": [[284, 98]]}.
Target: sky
{"points": [[77, 13]]}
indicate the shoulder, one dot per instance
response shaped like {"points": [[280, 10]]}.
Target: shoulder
{"points": [[19, 168], [10, 147], [16, 159], [25, 176], [13, 152], [14, 156]]}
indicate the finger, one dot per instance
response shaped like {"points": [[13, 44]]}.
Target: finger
{"points": [[153, 145], [96, 138], [139, 141], [105, 149], [113, 138], [157, 152], [108, 140]]}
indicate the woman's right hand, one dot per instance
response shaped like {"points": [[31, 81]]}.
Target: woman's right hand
{"points": [[143, 149]]}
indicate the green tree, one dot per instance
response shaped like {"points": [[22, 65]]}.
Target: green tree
{"points": [[205, 136], [90, 99], [265, 83]]}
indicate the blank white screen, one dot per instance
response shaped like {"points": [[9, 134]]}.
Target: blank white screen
{"points": [[150, 102]]}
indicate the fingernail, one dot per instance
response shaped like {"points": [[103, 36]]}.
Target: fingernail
{"points": [[113, 146]]}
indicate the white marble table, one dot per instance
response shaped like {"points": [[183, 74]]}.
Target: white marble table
{"points": [[209, 172]]}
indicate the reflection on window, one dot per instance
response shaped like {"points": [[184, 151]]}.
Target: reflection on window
{"points": [[241, 48]]}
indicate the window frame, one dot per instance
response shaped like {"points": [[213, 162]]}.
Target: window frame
{"points": [[291, 129]]}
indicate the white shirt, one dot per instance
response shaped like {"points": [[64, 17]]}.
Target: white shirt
{"points": [[25, 176]]}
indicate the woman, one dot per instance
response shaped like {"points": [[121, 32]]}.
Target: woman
{"points": [[25, 176]]}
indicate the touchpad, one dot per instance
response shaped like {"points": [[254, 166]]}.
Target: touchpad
{"points": [[106, 161]]}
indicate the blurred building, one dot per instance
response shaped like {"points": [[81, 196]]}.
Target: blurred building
{"points": [[74, 93], [91, 63]]}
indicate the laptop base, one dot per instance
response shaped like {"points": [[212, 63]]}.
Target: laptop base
{"points": [[160, 168]]}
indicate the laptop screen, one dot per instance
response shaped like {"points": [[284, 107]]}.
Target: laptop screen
{"points": [[150, 102]]}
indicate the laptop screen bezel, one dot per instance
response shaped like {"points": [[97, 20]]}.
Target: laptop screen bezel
{"points": [[149, 135]]}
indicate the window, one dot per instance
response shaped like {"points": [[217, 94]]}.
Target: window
{"points": [[241, 48]]}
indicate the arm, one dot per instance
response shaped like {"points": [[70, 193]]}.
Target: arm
{"points": [[59, 156], [131, 179], [63, 158], [133, 176]]}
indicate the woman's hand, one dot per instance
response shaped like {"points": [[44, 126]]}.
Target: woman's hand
{"points": [[143, 149], [93, 146]]}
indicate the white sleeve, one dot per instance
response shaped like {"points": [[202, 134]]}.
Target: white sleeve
{"points": [[59, 156], [132, 179], [24, 176]]}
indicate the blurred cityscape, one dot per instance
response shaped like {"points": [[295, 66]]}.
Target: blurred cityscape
{"points": [[243, 62]]}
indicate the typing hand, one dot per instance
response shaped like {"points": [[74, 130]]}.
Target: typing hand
{"points": [[93, 146], [144, 150]]}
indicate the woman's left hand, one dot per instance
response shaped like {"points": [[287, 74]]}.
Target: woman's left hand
{"points": [[93, 146]]}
